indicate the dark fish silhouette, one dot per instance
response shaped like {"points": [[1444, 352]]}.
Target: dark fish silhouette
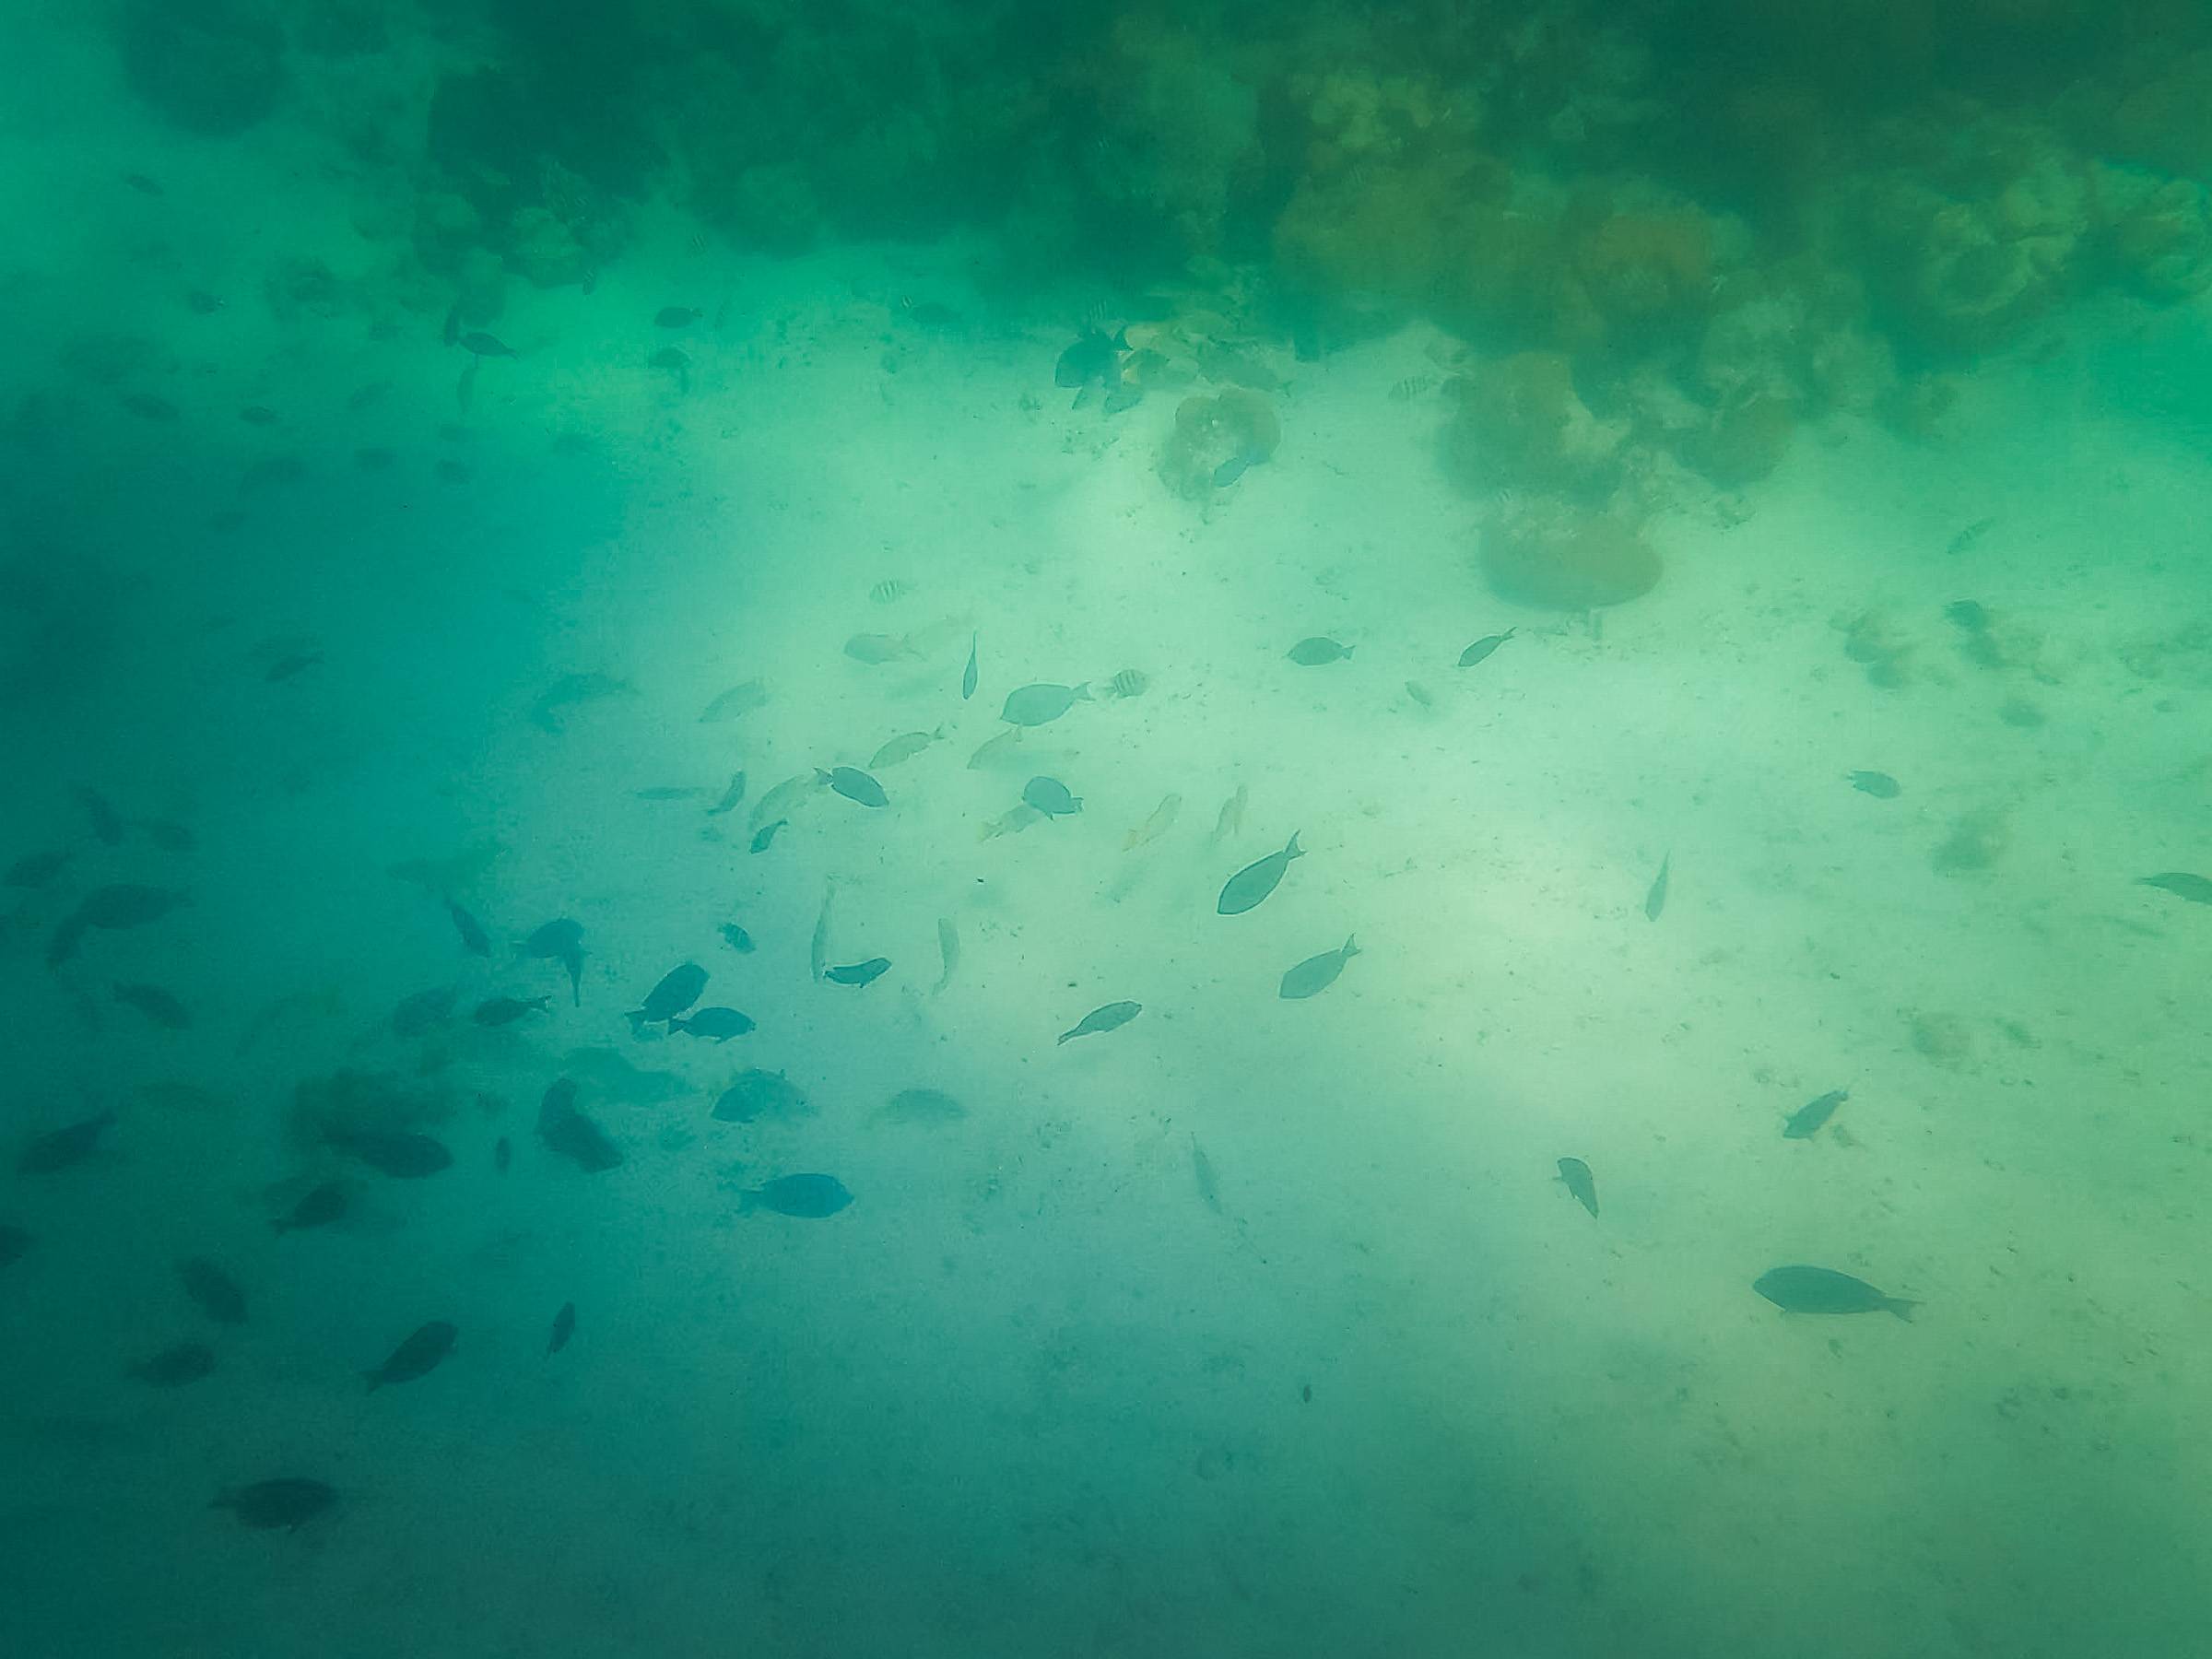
{"points": [[1576, 1177], [1112, 1017], [568, 1131], [60, 1149], [1824, 1290], [1317, 649], [1654, 901], [561, 940], [1805, 1122], [730, 796], [120, 905], [424, 1350], [807, 1197], [854, 785], [757, 1094], [212, 1290], [564, 1327], [1484, 646], [160, 1007], [968, 674], [1041, 704], [477, 343], [402, 1153], [764, 837], [1252, 884], [505, 1010], [36, 870], [858, 974], [718, 1025], [1052, 797], [288, 1502], [677, 990], [2197, 890], [502, 1155], [318, 1207], [474, 939], [174, 1366], [737, 938], [1316, 973], [1880, 785]]}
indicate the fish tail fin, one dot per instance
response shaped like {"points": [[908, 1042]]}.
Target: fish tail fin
{"points": [[1351, 948], [1064, 1037], [1901, 1306], [374, 1379], [1083, 693]]}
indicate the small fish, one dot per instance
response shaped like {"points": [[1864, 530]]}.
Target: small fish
{"points": [[1805, 1122], [35, 870], [1231, 470], [258, 414], [1230, 821], [757, 1094], [717, 1025], [1421, 694], [1012, 821], [1094, 359], [728, 801], [764, 837], [474, 939], [479, 343], [61, 1149], [160, 1007], [496, 1011], [858, 974], [402, 1153], [573, 1135], [148, 406], [502, 1155], [1880, 785], [1970, 536], [559, 940], [948, 951], [782, 800], [675, 991], [890, 591], [875, 648], [1574, 1174], [1051, 796], [806, 1197], [854, 785], [289, 1502], [921, 1106], [1316, 649], [738, 699], [677, 316], [1824, 1290], [1252, 884], [212, 1290], [421, 1353], [143, 186], [1316, 973], [1655, 899], [569, 690], [1041, 704], [1112, 1017], [318, 1207], [1969, 615], [99, 812], [416, 1014], [737, 938], [988, 752], [2197, 889], [902, 748], [1484, 646], [818, 946], [15, 1243], [564, 1327], [1411, 387], [968, 674], [174, 1366], [1202, 1172], [1158, 824], [1129, 682]]}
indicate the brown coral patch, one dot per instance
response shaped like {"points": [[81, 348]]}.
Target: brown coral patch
{"points": [[1560, 557]]}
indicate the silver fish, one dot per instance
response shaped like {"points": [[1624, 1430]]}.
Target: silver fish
{"points": [[1316, 973], [1250, 885]]}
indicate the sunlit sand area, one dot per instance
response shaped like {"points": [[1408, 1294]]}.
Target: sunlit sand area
{"points": [[1280, 832]]}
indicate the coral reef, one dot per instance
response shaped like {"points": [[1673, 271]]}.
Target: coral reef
{"points": [[1216, 438], [211, 66], [1560, 555]]}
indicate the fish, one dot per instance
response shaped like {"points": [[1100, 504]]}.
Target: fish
{"points": [[1202, 1172], [968, 675], [62, 1148], [717, 1025], [921, 1106], [1880, 785], [735, 793], [474, 939], [1230, 821], [1574, 1174], [502, 1155], [126, 904], [1094, 356], [991, 749], [1655, 899], [35, 870], [757, 1094], [1110, 1016], [890, 591], [2197, 889], [1421, 694], [99, 812], [288, 1502], [422, 1352], [903, 747], [1805, 1122], [148, 406], [404, 1154], [1317, 649], [479, 343], [677, 316], [738, 699], [1129, 682], [561, 940], [1316, 973], [1824, 1290], [854, 785], [765, 837], [875, 648], [1041, 704], [160, 1007], [414, 1015], [858, 974], [174, 1366], [167, 835], [212, 1290], [818, 946], [1252, 884], [1161, 819], [806, 1197], [677, 990], [573, 1135], [1235, 467], [1484, 646], [144, 185], [948, 951], [569, 690], [737, 938], [564, 1327], [319, 1206], [1051, 796], [1970, 536], [669, 360], [494, 1011], [15, 1243], [783, 799], [1013, 821], [258, 414]]}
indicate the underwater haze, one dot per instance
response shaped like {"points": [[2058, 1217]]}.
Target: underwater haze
{"points": [[968, 830]]}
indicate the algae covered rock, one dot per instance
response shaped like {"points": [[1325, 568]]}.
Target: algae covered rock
{"points": [[1521, 424], [1558, 555], [211, 66], [1216, 438]]}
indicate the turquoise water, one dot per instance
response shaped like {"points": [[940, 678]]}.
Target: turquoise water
{"points": [[442, 444]]}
